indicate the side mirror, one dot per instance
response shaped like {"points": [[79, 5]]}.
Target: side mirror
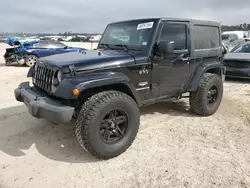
{"points": [[166, 47], [224, 50]]}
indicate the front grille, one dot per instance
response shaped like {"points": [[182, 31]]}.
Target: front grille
{"points": [[43, 78], [236, 64]]}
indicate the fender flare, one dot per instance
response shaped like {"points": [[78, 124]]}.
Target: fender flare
{"points": [[94, 80], [214, 67]]}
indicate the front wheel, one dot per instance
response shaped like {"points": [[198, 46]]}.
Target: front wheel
{"points": [[107, 124], [207, 98], [31, 60]]}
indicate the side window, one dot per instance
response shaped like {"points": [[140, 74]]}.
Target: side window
{"points": [[41, 45], [176, 33], [206, 37]]}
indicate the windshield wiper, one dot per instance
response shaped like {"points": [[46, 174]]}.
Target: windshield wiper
{"points": [[124, 47], [107, 46]]}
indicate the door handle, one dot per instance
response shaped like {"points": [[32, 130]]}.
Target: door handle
{"points": [[181, 60], [185, 58]]}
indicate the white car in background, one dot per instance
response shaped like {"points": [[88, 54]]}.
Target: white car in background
{"points": [[95, 38]]}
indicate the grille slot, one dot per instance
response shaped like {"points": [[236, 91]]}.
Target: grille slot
{"points": [[43, 78]]}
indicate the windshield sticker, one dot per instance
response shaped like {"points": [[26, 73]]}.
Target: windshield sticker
{"points": [[145, 25], [144, 43]]}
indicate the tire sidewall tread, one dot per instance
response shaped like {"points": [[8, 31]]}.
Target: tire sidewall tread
{"points": [[86, 123], [198, 99]]}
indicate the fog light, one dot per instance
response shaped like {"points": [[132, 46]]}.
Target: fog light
{"points": [[76, 91]]}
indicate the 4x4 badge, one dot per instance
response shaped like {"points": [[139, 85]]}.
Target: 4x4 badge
{"points": [[143, 71]]}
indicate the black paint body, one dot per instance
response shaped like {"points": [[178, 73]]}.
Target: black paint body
{"points": [[146, 75]]}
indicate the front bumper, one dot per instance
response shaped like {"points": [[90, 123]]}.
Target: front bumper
{"points": [[14, 60], [41, 106]]}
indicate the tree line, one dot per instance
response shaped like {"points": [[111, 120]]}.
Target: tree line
{"points": [[240, 27]]}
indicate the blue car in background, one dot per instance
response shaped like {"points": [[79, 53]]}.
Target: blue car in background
{"points": [[28, 53]]}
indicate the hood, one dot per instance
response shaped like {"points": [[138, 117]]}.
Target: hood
{"points": [[89, 59], [75, 48], [237, 56]]}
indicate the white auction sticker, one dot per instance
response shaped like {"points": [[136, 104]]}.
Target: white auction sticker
{"points": [[145, 25]]}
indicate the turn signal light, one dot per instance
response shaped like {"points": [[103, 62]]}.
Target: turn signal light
{"points": [[76, 91]]}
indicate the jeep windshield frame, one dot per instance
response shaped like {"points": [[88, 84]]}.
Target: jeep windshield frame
{"points": [[133, 35]]}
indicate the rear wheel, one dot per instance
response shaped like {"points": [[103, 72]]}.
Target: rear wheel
{"points": [[207, 98], [107, 124], [31, 60]]}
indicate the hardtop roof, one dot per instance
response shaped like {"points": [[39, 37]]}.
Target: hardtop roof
{"points": [[193, 21]]}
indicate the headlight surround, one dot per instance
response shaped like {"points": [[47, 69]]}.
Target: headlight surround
{"points": [[59, 76], [36, 66]]}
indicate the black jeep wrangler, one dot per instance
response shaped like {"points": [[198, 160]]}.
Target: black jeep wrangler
{"points": [[137, 62]]}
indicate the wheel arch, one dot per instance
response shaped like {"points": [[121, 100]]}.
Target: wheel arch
{"points": [[122, 87], [34, 54], [211, 67], [94, 83]]}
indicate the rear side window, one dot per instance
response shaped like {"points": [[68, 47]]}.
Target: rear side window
{"points": [[206, 37], [41, 45], [176, 33]]}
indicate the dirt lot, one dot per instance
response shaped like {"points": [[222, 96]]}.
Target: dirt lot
{"points": [[174, 148]]}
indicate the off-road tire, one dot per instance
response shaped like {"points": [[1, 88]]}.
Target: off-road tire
{"points": [[198, 98], [90, 116]]}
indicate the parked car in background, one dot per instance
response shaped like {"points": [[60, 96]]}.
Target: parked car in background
{"points": [[78, 39], [237, 61], [95, 38], [3, 38], [229, 37], [29, 52], [228, 40], [240, 34]]}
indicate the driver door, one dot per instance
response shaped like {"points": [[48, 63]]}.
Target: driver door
{"points": [[170, 72]]}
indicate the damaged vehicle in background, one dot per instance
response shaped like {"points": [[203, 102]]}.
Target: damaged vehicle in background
{"points": [[228, 40], [237, 61], [28, 53]]}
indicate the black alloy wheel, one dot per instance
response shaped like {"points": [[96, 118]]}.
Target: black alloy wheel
{"points": [[212, 96], [113, 126], [206, 99], [107, 124]]}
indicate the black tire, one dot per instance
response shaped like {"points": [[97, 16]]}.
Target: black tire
{"points": [[92, 114], [199, 99]]}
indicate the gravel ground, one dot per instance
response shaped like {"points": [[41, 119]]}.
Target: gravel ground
{"points": [[174, 148]]}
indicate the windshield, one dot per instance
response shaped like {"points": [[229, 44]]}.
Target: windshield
{"points": [[134, 34], [56, 45], [244, 48], [225, 37]]}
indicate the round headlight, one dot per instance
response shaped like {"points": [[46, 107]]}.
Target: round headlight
{"points": [[59, 76]]}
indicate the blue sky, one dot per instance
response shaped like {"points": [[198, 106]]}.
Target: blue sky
{"points": [[92, 16]]}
